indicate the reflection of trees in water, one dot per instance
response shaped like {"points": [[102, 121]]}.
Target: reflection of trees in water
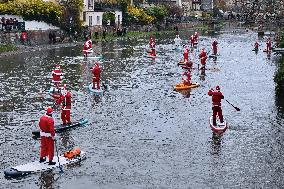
{"points": [[46, 180], [279, 101], [186, 93]]}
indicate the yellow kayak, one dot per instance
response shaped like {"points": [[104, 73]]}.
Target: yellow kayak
{"points": [[182, 86]]}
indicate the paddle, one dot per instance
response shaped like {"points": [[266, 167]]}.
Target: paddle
{"points": [[60, 167], [238, 109]]}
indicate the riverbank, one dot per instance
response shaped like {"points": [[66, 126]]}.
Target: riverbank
{"points": [[13, 49]]}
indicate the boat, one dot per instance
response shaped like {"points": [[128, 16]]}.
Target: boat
{"points": [[182, 86], [61, 127], [36, 166], [95, 91], [220, 127]]}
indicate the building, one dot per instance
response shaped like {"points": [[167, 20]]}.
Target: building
{"points": [[93, 16]]}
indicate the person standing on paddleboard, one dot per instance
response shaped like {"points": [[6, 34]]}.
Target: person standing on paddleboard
{"points": [[65, 99], [192, 40], [56, 76], [214, 46], [87, 46], [185, 53], [203, 58], [96, 70], [177, 41], [256, 46], [268, 44], [152, 44], [217, 96], [196, 36], [47, 133]]}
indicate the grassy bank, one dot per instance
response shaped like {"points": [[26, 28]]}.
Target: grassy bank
{"points": [[7, 48]]}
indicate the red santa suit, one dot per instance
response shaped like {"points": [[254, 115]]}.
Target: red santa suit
{"points": [[192, 40], [256, 45], [196, 37], [187, 79], [87, 47], [214, 47], [268, 45], [65, 99], [203, 57], [96, 76], [46, 125], [217, 96], [185, 54], [56, 75]]}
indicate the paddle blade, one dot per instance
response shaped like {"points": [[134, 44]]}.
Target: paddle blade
{"points": [[238, 109]]}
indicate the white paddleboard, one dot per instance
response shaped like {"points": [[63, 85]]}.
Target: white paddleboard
{"points": [[96, 91], [219, 127], [36, 166]]}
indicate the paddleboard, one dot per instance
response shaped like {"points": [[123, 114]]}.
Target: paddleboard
{"points": [[98, 57], [212, 56], [220, 127], [61, 128], [265, 50], [182, 86], [150, 56], [54, 90], [96, 91], [35, 166]]}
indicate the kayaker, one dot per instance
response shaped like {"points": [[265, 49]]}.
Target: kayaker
{"points": [[87, 46], [47, 133], [214, 46], [203, 58], [256, 46], [185, 53], [192, 40], [217, 96], [65, 100], [96, 70], [187, 79], [56, 76], [268, 44]]}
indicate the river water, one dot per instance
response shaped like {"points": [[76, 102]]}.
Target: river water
{"points": [[141, 133]]}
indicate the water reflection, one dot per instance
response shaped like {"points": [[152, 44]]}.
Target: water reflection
{"points": [[46, 180], [216, 142]]}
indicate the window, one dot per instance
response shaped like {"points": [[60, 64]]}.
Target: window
{"points": [[118, 19], [90, 21], [90, 4], [84, 16], [98, 20]]}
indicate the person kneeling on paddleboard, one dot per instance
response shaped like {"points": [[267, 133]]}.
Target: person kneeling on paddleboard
{"points": [[217, 96], [187, 80], [56, 76], [65, 99], [47, 133], [96, 70]]}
